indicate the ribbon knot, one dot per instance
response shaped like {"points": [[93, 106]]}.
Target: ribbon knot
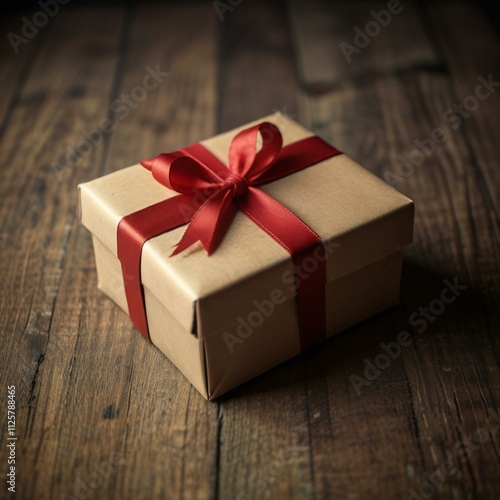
{"points": [[238, 184]]}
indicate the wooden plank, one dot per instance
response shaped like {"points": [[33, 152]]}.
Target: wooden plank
{"points": [[336, 42], [17, 57], [254, 48], [177, 430], [444, 382], [39, 224], [362, 440], [87, 373], [473, 59]]}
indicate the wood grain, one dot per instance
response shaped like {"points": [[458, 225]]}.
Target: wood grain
{"points": [[46, 320], [103, 414], [440, 372], [176, 432], [52, 300], [338, 42]]}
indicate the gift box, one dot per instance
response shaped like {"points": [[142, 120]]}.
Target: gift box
{"points": [[240, 252]]}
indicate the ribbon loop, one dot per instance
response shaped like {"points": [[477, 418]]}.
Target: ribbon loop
{"points": [[245, 160], [182, 173]]}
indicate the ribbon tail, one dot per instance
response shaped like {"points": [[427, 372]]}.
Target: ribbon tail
{"points": [[210, 223], [308, 257]]}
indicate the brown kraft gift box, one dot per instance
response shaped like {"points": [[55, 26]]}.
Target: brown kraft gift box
{"points": [[228, 317]]}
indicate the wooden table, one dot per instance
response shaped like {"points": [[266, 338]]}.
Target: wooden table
{"points": [[101, 413]]}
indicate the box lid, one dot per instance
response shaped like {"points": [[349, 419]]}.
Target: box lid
{"points": [[357, 215]]}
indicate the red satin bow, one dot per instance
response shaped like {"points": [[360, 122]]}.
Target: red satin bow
{"points": [[228, 189], [197, 174]]}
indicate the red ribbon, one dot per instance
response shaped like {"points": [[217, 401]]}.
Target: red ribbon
{"points": [[200, 177]]}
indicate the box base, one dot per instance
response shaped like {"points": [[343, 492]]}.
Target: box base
{"points": [[223, 361]]}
